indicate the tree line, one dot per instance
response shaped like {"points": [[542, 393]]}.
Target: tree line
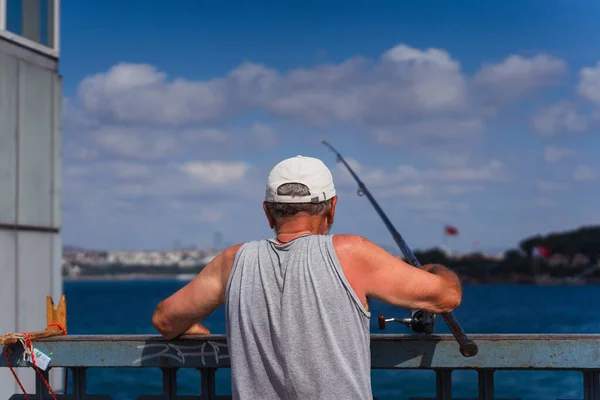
{"points": [[563, 248]]}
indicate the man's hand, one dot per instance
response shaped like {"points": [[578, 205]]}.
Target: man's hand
{"points": [[430, 268], [197, 329], [434, 268]]}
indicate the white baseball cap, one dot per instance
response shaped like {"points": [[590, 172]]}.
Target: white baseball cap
{"points": [[311, 172]]}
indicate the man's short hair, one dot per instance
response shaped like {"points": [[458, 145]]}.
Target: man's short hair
{"points": [[285, 210]]}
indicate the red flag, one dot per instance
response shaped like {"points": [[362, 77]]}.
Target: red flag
{"points": [[542, 251], [450, 230]]}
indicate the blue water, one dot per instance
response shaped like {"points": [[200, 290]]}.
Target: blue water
{"points": [[126, 308]]}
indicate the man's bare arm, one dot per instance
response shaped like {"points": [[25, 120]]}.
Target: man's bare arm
{"points": [[374, 272], [446, 274], [181, 312]]}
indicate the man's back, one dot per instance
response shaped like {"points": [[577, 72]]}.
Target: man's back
{"points": [[295, 327], [296, 324]]}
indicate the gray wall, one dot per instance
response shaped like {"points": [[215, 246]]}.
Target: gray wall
{"points": [[30, 196]]}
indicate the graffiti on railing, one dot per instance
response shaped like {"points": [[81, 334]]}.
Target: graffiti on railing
{"points": [[179, 352]]}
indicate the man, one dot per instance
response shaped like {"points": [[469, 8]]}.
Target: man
{"points": [[296, 306]]}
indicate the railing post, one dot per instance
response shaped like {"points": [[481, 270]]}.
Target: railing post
{"points": [[79, 383], [443, 383], [591, 385], [485, 380], [207, 377], [169, 378], [41, 390]]}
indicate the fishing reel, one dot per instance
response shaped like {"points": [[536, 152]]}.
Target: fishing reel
{"points": [[419, 321]]}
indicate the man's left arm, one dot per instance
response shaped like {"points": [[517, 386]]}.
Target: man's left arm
{"points": [[181, 312]]}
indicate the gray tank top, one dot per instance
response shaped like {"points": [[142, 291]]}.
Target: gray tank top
{"points": [[295, 327]]}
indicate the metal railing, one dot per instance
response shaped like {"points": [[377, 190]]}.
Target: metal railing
{"points": [[439, 353]]}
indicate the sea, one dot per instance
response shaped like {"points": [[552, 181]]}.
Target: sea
{"points": [[126, 307]]}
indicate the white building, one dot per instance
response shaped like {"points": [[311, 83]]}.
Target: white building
{"points": [[30, 172]]}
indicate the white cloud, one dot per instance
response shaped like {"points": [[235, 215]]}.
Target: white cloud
{"points": [[490, 172], [544, 202], [141, 93], [589, 83], [262, 135], [558, 118], [434, 131], [413, 190], [144, 143], [403, 81], [584, 173], [109, 170], [167, 184], [451, 160], [549, 186], [567, 115], [439, 205], [135, 143], [517, 75], [79, 152], [255, 135], [208, 136], [210, 215], [216, 172], [75, 117], [462, 189], [564, 116], [406, 181], [430, 190], [422, 93], [554, 154]]}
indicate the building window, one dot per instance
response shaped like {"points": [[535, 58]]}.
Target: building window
{"points": [[34, 20]]}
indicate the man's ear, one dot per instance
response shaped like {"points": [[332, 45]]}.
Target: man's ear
{"points": [[331, 212], [269, 216]]}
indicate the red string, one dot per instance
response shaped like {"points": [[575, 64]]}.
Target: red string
{"points": [[14, 374], [30, 346], [59, 326]]}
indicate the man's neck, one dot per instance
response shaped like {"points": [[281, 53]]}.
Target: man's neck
{"points": [[288, 237], [294, 228]]}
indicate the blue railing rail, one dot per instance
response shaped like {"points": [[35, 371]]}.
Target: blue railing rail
{"points": [[439, 353]]}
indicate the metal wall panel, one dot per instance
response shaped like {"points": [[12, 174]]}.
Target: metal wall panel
{"points": [[7, 297], [35, 145], [34, 279], [8, 120], [34, 283], [57, 153]]}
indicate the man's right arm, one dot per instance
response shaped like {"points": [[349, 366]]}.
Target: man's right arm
{"points": [[374, 272]]}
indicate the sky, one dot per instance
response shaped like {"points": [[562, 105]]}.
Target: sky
{"points": [[480, 115]]}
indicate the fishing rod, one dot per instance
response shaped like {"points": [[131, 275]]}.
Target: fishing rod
{"points": [[420, 321]]}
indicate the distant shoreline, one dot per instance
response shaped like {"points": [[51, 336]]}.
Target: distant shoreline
{"points": [[188, 277], [129, 277]]}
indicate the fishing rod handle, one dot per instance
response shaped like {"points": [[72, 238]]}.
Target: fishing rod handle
{"points": [[467, 347]]}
